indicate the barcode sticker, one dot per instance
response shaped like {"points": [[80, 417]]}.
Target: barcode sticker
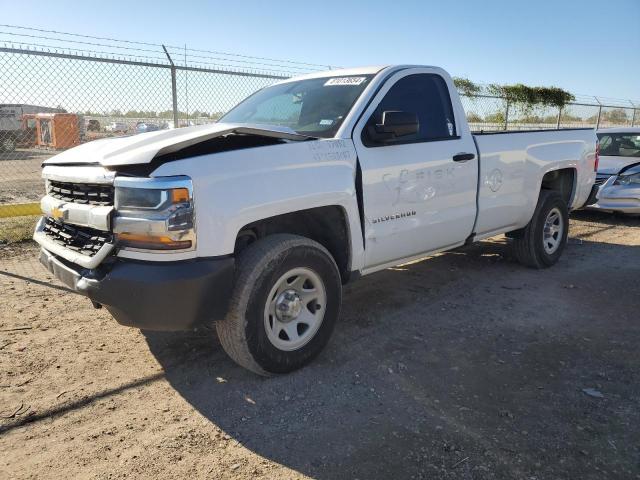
{"points": [[344, 81]]}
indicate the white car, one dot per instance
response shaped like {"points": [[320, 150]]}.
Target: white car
{"points": [[117, 127], [256, 222], [619, 170]]}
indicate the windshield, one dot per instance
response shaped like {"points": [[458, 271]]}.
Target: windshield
{"points": [[314, 107], [619, 144]]}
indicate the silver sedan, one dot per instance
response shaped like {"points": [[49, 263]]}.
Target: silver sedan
{"points": [[619, 170]]}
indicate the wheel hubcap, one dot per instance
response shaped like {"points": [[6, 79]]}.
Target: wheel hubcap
{"points": [[295, 309], [553, 231], [288, 306]]}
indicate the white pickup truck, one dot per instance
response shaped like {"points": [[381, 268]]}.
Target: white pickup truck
{"points": [[256, 222]]}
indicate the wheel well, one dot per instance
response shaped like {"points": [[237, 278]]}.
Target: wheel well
{"points": [[561, 181], [325, 225]]}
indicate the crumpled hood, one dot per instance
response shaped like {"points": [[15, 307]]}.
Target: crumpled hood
{"points": [[610, 165], [144, 147]]}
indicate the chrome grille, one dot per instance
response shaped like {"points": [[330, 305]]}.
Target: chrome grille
{"points": [[81, 193], [86, 241]]}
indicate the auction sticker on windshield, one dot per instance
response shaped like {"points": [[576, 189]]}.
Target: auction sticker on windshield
{"points": [[344, 81]]}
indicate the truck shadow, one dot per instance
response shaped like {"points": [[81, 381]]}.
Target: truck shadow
{"points": [[606, 218], [435, 370]]}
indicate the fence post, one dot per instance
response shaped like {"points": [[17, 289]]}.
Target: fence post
{"points": [[174, 89], [506, 116], [633, 119], [559, 115], [599, 112]]}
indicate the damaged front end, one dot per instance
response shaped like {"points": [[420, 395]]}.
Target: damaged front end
{"points": [[619, 192], [145, 148], [125, 238]]}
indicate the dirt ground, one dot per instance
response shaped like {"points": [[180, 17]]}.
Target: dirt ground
{"points": [[462, 366], [21, 175]]}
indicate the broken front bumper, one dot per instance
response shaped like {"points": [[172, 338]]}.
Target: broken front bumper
{"points": [[618, 198], [178, 295]]}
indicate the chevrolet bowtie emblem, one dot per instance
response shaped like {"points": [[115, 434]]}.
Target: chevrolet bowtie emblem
{"points": [[57, 213]]}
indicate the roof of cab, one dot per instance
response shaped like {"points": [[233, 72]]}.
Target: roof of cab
{"points": [[347, 72], [342, 72], [619, 130]]}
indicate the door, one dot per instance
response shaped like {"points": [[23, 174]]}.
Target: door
{"points": [[45, 133], [417, 198]]}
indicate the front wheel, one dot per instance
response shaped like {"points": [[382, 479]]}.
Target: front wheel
{"points": [[284, 306], [541, 242]]}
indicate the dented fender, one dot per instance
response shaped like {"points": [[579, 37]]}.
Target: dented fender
{"points": [[235, 188]]}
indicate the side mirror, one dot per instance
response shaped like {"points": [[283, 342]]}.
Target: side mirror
{"points": [[395, 124]]}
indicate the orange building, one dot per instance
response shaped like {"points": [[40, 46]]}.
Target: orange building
{"points": [[55, 130]]}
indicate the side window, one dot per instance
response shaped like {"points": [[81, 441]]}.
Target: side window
{"points": [[425, 95], [605, 144]]}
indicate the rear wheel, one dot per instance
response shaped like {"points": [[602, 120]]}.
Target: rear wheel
{"points": [[541, 242], [285, 303]]}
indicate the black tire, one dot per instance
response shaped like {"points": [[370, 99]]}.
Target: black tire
{"points": [[529, 242], [243, 332]]}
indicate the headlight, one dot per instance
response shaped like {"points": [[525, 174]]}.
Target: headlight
{"points": [[632, 179], [154, 213], [139, 198]]}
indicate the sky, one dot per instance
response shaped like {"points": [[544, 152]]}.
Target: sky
{"points": [[586, 47]]}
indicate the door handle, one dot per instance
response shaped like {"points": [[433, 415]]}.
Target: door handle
{"points": [[463, 157]]}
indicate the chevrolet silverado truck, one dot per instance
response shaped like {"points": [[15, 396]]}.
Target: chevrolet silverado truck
{"points": [[255, 223]]}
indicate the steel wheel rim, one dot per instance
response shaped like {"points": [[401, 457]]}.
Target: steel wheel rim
{"points": [[295, 309], [8, 144], [553, 231]]}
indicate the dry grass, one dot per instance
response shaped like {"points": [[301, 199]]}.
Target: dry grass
{"points": [[17, 229]]}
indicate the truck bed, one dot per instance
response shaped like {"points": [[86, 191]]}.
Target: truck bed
{"points": [[501, 132], [512, 165]]}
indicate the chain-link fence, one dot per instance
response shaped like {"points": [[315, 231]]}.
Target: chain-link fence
{"points": [[52, 101], [491, 113]]}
